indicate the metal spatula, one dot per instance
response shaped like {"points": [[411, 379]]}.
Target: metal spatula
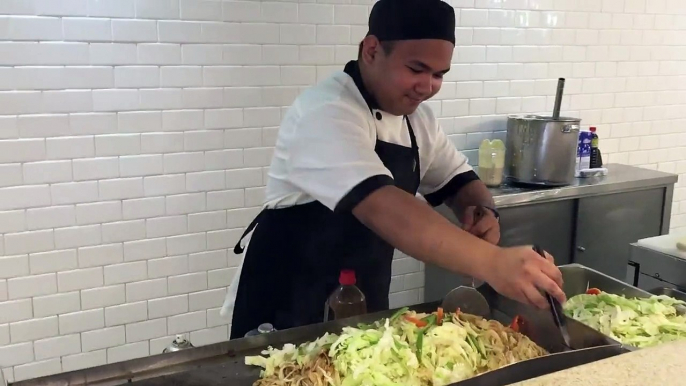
{"points": [[468, 300], [556, 309]]}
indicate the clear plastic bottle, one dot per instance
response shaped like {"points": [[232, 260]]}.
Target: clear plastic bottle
{"points": [[347, 300], [491, 162]]}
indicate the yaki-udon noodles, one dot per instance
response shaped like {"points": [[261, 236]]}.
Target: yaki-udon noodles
{"points": [[407, 349]]}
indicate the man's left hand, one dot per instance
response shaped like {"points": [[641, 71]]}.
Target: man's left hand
{"points": [[482, 223]]}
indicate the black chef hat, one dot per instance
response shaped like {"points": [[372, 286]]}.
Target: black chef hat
{"points": [[412, 20]]}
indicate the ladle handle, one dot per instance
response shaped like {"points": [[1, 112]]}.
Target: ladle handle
{"points": [[558, 98]]}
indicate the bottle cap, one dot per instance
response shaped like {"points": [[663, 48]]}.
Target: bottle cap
{"points": [[347, 277], [593, 129], [265, 328]]}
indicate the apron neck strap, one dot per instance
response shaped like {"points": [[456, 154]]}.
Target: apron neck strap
{"points": [[413, 139]]}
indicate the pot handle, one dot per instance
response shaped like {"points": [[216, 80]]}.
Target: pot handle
{"points": [[570, 128]]}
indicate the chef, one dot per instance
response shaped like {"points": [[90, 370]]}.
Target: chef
{"points": [[359, 162]]}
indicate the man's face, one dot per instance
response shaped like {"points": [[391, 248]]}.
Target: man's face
{"points": [[410, 74]]}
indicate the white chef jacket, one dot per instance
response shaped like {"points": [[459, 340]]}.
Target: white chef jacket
{"points": [[325, 150]]}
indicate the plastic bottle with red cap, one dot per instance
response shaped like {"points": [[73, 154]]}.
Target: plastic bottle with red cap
{"points": [[347, 300]]}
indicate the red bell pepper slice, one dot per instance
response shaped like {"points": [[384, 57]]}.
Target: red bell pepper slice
{"points": [[417, 322], [516, 323]]}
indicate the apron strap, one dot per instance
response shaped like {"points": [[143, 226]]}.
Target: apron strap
{"points": [[413, 141], [238, 249]]}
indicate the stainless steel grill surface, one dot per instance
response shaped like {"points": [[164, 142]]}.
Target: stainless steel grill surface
{"points": [[223, 363]]}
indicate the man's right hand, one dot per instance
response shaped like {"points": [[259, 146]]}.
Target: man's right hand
{"points": [[521, 274]]}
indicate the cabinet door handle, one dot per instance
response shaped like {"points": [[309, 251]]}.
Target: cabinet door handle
{"points": [[581, 249]]}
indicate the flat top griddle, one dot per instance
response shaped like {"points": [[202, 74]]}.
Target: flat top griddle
{"points": [[223, 363], [234, 373]]}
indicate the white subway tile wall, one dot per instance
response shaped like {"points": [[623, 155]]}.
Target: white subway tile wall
{"points": [[135, 136]]}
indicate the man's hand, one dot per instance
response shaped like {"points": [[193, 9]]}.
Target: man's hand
{"points": [[482, 223], [520, 274]]}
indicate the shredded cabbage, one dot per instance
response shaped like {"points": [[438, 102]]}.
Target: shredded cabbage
{"points": [[640, 322], [301, 355], [407, 349]]}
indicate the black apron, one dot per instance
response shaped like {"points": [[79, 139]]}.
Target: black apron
{"points": [[296, 255]]}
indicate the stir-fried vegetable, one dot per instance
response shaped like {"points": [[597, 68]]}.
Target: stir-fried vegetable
{"points": [[516, 323], [306, 364], [406, 349], [593, 291], [641, 322]]}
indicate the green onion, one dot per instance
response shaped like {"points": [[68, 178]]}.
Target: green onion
{"points": [[397, 314]]}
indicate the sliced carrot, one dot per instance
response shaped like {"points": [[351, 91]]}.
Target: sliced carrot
{"points": [[593, 291], [417, 322], [516, 323], [439, 316]]}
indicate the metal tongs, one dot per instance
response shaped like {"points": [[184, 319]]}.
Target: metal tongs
{"points": [[556, 309]]}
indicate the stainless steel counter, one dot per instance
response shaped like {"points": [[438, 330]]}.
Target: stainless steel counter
{"points": [[657, 269], [620, 178]]}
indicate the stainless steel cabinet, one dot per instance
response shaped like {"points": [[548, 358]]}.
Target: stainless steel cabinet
{"points": [[606, 225], [550, 225], [594, 230]]}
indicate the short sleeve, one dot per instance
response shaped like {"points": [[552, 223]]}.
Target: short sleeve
{"points": [[331, 157], [447, 172]]}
